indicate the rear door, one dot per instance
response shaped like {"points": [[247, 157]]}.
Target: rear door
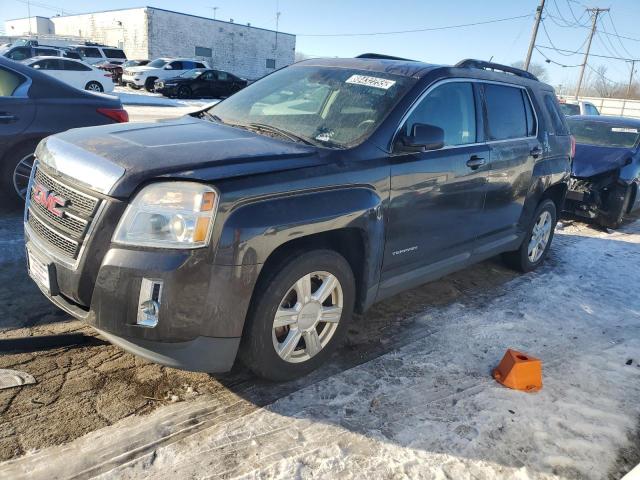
{"points": [[17, 110], [514, 148], [78, 74]]}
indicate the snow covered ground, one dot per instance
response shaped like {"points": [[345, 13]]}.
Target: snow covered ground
{"points": [[429, 409], [128, 96]]}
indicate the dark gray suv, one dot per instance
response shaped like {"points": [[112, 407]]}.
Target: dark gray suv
{"points": [[256, 227]]}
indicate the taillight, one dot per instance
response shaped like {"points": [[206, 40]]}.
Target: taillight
{"points": [[119, 115], [573, 146]]}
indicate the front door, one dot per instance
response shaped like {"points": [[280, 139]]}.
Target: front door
{"points": [[437, 196]]}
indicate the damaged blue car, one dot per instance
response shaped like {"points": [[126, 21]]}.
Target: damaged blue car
{"points": [[605, 174]]}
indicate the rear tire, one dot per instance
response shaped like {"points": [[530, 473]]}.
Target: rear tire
{"points": [[94, 86], [292, 327], [536, 243], [12, 173]]}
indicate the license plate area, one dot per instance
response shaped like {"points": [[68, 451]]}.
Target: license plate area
{"points": [[39, 270]]}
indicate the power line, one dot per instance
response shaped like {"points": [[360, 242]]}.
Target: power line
{"points": [[617, 35], [546, 47], [549, 60], [426, 29], [558, 50], [45, 6]]}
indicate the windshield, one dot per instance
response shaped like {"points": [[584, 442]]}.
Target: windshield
{"points": [[195, 73], [158, 63], [570, 109], [604, 134], [332, 107]]}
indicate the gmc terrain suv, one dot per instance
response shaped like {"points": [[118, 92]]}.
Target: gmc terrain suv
{"points": [[255, 228]]}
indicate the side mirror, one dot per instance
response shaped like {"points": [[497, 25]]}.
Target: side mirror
{"points": [[423, 137], [37, 67], [168, 67]]}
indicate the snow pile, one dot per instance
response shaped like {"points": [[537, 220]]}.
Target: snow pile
{"points": [[431, 410]]}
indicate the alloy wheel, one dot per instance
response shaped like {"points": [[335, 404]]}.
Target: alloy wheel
{"points": [[539, 237], [307, 317], [21, 175]]}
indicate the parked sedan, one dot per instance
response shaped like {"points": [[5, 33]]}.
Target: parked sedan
{"points": [[200, 83], [606, 168], [33, 106], [73, 72]]}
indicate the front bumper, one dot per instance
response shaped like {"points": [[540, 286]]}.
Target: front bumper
{"points": [[201, 310], [133, 80], [166, 90]]}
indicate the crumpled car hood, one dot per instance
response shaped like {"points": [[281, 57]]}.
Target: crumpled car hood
{"points": [[592, 160]]}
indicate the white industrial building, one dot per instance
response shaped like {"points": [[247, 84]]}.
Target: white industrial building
{"points": [[149, 32]]}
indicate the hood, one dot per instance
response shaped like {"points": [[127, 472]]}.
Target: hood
{"points": [[116, 159], [592, 160], [140, 68]]}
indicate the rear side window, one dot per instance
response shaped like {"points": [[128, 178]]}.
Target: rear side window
{"points": [[200, 65], [176, 65], [113, 53], [506, 112], [570, 109], [90, 52], [9, 82], [75, 66], [47, 64], [451, 107], [557, 118], [19, 53], [46, 52]]}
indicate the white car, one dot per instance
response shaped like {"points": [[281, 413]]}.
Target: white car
{"points": [[159, 69], [577, 107], [73, 72], [94, 53]]}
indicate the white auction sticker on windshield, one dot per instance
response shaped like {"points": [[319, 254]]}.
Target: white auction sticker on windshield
{"points": [[371, 81], [624, 130]]}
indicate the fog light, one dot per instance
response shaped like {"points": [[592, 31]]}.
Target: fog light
{"points": [[149, 302]]}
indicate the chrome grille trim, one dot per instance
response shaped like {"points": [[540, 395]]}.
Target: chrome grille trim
{"points": [[53, 238], [81, 202], [64, 239]]}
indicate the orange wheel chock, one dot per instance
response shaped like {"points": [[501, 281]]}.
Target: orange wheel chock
{"points": [[519, 371]]}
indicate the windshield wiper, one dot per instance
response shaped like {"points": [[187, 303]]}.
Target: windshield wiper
{"points": [[212, 117], [279, 131]]}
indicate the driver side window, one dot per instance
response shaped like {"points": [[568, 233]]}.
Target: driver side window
{"points": [[451, 107]]}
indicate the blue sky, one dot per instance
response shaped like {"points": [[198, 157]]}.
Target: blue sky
{"points": [[506, 41]]}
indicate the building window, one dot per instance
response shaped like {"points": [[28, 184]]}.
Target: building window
{"points": [[204, 52], [271, 63]]}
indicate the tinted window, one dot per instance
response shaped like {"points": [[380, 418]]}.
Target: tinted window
{"points": [[590, 109], [604, 133], [74, 66], [90, 52], [19, 53], [113, 53], [47, 64], [208, 76], [177, 65], [557, 118], [200, 65], [9, 82], [158, 63], [505, 112], [570, 109], [70, 54], [188, 65], [46, 52], [204, 52], [531, 119], [222, 76], [451, 107]]}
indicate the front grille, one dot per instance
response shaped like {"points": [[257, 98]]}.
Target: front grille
{"points": [[80, 202], [67, 233]]}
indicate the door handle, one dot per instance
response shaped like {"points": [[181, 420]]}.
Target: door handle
{"points": [[475, 162], [535, 152], [7, 118]]}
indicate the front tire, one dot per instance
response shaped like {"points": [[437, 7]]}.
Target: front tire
{"points": [[536, 243], [94, 86], [184, 92], [149, 84], [299, 315]]}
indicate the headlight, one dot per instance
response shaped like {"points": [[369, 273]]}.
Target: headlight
{"points": [[169, 215]]}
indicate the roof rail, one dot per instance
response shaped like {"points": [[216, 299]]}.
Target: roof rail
{"points": [[380, 56], [473, 63]]}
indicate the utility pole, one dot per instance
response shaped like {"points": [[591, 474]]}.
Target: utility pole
{"points": [[633, 66], [594, 13], [534, 34], [215, 9]]}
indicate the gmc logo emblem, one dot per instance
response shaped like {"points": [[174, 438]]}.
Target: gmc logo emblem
{"points": [[49, 200]]}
